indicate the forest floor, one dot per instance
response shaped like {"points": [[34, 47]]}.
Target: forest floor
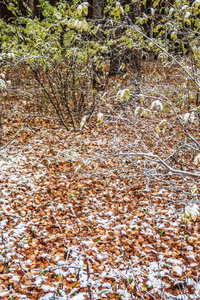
{"points": [[74, 226]]}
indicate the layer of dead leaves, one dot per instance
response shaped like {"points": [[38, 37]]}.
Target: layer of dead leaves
{"points": [[75, 226]]}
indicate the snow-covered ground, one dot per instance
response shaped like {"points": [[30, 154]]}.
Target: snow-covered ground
{"points": [[70, 230]]}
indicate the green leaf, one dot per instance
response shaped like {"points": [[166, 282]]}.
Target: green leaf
{"points": [[124, 93], [127, 8], [127, 94], [155, 3], [104, 291], [149, 286]]}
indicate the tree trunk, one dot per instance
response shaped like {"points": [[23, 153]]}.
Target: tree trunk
{"points": [[1, 131], [132, 56], [31, 5], [95, 12]]}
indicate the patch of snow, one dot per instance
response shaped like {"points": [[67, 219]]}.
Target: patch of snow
{"points": [[175, 224], [80, 296], [178, 270], [193, 265], [87, 243], [39, 280], [190, 281], [149, 283], [174, 261], [197, 287], [46, 255], [189, 248], [99, 256], [191, 255], [60, 262], [3, 223], [60, 206], [61, 272], [162, 191], [182, 297], [163, 272], [19, 229], [15, 278], [83, 279], [4, 293], [124, 293], [47, 288], [153, 266], [123, 232]]}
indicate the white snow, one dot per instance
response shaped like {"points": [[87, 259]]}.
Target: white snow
{"points": [[178, 270], [79, 296], [47, 288]]}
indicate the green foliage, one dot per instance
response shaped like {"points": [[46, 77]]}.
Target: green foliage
{"points": [[68, 53], [55, 38], [178, 29], [61, 50]]}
